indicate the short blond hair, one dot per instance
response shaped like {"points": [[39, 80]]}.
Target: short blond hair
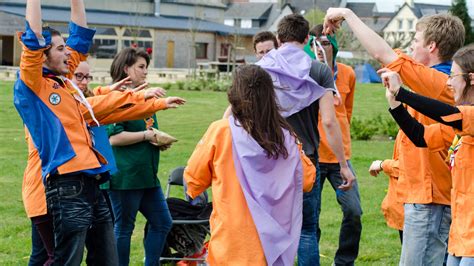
{"points": [[446, 30]]}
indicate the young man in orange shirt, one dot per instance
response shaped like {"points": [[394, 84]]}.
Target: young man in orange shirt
{"points": [[344, 77], [424, 183], [58, 119]]}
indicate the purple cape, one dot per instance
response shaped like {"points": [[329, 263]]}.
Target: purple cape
{"points": [[289, 67], [273, 190]]}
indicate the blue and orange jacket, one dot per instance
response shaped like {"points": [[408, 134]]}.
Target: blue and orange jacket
{"points": [[57, 122]]}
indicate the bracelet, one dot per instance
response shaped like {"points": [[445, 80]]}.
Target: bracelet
{"points": [[381, 168]]}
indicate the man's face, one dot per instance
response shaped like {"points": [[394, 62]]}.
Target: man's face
{"points": [[82, 76], [420, 51], [262, 48], [326, 44], [58, 55]]}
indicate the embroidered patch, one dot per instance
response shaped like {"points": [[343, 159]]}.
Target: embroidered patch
{"points": [[55, 86], [54, 98]]}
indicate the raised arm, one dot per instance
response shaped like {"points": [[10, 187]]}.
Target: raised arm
{"points": [[434, 109], [80, 37], [78, 13], [375, 45], [34, 43], [33, 16]]}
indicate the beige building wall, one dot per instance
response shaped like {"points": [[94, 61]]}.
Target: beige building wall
{"points": [[400, 30], [183, 53]]}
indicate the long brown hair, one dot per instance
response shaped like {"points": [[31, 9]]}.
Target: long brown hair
{"points": [[253, 101], [126, 57], [464, 57]]}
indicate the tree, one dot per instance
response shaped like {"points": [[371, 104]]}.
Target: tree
{"points": [[314, 17], [459, 9]]}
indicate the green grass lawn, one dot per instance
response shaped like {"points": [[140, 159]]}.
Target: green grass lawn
{"points": [[379, 245]]}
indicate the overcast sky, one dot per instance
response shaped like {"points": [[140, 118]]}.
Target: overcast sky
{"points": [[390, 5]]}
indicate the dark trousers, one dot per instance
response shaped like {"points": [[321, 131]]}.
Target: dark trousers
{"points": [[77, 205], [42, 241], [152, 204], [351, 226]]}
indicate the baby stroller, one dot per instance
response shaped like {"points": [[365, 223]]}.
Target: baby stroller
{"points": [[185, 241]]}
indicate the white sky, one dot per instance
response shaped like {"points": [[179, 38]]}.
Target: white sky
{"points": [[390, 5]]}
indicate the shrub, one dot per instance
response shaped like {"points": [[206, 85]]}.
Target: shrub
{"points": [[366, 129], [362, 129]]}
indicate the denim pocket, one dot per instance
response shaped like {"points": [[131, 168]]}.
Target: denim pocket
{"points": [[421, 207], [70, 188]]}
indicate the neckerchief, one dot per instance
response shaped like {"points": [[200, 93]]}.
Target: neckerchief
{"points": [[453, 149], [444, 67]]}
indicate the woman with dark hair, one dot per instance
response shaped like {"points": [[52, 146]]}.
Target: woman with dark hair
{"points": [[454, 122], [135, 186], [257, 171]]}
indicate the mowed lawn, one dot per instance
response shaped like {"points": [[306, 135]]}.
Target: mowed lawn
{"points": [[379, 245]]}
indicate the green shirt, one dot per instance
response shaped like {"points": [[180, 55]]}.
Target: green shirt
{"points": [[137, 163]]}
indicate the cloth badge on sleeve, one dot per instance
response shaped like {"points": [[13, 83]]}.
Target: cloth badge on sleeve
{"points": [[54, 98]]}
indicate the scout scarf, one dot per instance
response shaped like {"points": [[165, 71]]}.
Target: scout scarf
{"points": [[289, 67], [273, 190]]}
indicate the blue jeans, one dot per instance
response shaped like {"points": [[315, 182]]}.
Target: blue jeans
{"points": [[425, 234], [77, 204], [460, 261], [351, 226], [152, 204], [308, 249], [39, 255]]}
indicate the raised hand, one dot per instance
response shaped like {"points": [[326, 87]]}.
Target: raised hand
{"points": [[152, 92], [333, 19], [120, 85], [391, 80], [160, 92], [174, 102]]}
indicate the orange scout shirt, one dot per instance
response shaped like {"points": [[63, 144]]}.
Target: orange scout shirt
{"points": [[234, 238], [392, 209], [345, 83], [424, 176], [461, 233], [33, 194]]}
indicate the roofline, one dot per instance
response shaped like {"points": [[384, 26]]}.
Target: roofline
{"points": [[392, 18], [226, 30], [190, 4]]}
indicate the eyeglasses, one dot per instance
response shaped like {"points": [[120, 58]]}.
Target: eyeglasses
{"points": [[453, 75], [325, 43], [80, 77]]}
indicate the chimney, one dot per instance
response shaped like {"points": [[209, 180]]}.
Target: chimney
{"points": [[157, 8]]}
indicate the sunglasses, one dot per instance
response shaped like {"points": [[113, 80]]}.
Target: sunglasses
{"points": [[80, 77]]}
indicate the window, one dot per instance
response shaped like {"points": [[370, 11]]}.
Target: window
{"points": [[400, 24], [139, 44], [246, 24], [137, 33], [229, 22], [410, 24], [104, 48], [201, 50], [255, 23], [225, 49], [105, 31]]}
